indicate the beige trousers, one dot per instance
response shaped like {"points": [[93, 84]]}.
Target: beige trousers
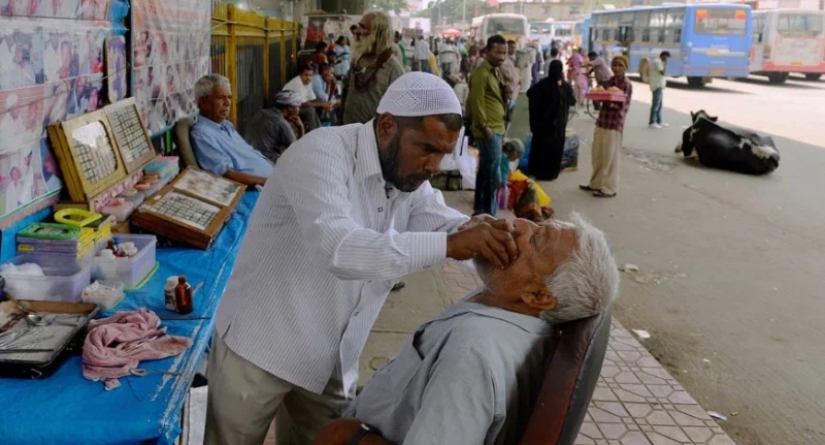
{"points": [[607, 144], [244, 399]]}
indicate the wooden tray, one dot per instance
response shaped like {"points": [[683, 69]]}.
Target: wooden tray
{"points": [[607, 97], [67, 340], [192, 209]]}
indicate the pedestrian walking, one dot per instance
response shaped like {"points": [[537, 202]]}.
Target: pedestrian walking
{"points": [[607, 136], [657, 85]]}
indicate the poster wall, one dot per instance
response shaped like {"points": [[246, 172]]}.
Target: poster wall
{"points": [[51, 69], [170, 52]]}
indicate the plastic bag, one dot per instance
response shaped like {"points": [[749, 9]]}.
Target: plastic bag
{"points": [[570, 155]]}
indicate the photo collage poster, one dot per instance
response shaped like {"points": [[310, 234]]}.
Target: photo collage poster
{"points": [[170, 52], [51, 69]]}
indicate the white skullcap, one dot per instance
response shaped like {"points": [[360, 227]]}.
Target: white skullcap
{"points": [[417, 94]]}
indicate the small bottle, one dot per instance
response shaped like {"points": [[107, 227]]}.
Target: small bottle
{"points": [[169, 293], [183, 296]]}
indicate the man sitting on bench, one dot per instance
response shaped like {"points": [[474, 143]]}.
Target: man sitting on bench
{"points": [[471, 375]]}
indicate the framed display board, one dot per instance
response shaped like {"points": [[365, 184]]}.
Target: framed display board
{"points": [[130, 135], [192, 209], [87, 153]]}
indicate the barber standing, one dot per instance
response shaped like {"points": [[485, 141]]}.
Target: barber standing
{"points": [[349, 211]]}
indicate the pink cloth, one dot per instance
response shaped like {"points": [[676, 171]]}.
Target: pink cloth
{"points": [[115, 345]]}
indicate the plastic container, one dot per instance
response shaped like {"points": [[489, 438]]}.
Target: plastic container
{"points": [[130, 271], [106, 300], [63, 281]]}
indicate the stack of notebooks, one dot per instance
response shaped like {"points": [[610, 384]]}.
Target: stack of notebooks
{"points": [[57, 240]]}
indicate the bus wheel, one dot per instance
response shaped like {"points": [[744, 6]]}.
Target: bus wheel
{"points": [[644, 71], [813, 76], [695, 82], [777, 78]]}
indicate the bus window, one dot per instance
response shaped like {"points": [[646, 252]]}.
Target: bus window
{"points": [[642, 19], [506, 25], [657, 19], [660, 35], [758, 28], [720, 21], [675, 18], [646, 35], [626, 18], [799, 25]]}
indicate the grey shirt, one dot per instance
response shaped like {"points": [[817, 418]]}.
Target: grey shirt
{"points": [[270, 133], [470, 376]]}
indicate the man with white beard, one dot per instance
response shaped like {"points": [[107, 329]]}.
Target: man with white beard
{"points": [[374, 67]]}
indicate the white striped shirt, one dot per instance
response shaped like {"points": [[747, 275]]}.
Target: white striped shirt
{"points": [[325, 244]]}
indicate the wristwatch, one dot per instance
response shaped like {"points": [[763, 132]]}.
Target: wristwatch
{"points": [[363, 431]]}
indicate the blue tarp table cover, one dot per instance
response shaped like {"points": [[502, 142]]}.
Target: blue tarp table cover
{"points": [[68, 409]]}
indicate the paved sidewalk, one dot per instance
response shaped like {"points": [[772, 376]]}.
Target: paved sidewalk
{"points": [[636, 401]]}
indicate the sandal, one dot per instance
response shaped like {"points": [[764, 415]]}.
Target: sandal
{"points": [[587, 188], [601, 194]]}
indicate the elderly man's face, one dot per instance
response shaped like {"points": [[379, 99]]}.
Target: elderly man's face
{"points": [[542, 249], [364, 27], [411, 156], [215, 107]]}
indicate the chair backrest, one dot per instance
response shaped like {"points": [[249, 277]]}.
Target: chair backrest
{"points": [[569, 382], [184, 143]]}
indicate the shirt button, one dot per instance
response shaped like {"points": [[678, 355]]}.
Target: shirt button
{"points": [[355, 314]]}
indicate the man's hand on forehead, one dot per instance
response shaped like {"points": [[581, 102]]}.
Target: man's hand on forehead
{"points": [[496, 223], [487, 237]]}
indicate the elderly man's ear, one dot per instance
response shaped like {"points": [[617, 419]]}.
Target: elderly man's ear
{"points": [[539, 297]]}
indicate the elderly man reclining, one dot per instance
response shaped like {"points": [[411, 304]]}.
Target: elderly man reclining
{"points": [[471, 375]]}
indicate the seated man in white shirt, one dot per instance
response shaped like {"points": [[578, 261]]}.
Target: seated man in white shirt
{"points": [[302, 84], [218, 147], [471, 375]]}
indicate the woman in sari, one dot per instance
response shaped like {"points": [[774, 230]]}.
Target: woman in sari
{"points": [[550, 101]]}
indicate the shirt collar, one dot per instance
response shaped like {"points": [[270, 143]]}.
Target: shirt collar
{"points": [[367, 162], [526, 322], [225, 125]]}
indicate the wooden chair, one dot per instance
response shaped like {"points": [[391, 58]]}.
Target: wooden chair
{"points": [[184, 143], [569, 382]]}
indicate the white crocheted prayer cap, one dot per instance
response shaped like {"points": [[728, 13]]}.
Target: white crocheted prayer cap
{"points": [[417, 94]]}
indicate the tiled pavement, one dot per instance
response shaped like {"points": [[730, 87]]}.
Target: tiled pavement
{"points": [[636, 402]]}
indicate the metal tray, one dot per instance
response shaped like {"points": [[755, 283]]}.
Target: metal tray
{"points": [[58, 341]]}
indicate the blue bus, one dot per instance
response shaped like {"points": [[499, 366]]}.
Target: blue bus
{"points": [[704, 40]]}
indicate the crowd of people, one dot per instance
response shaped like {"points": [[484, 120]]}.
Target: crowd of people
{"points": [[349, 210]]}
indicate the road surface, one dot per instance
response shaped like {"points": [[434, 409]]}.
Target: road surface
{"points": [[731, 267]]}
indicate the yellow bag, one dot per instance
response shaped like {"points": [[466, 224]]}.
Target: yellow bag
{"points": [[544, 199]]}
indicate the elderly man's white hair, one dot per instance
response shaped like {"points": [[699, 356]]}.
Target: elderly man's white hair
{"points": [[588, 282], [206, 84]]}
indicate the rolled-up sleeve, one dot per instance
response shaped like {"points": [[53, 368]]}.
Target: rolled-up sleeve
{"points": [[317, 188], [209, 153]]}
